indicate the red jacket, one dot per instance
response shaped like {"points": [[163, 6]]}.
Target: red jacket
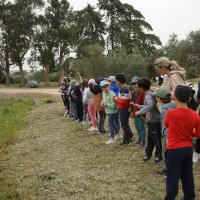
{"points": [[181, 123]]}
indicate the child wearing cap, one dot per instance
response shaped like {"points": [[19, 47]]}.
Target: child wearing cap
{"points": [[111, 111], [183, 124], [153, 119], [139, 121], [163, 96]]}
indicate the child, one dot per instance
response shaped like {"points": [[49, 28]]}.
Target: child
{"points": [[181, 123], [64, 95], [123, 101], [138, 98], [153, 118], [163, 96], [88, 99], [110, 109]]}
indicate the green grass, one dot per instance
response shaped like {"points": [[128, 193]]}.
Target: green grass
{"points": [[12, 112], [13, 109]]}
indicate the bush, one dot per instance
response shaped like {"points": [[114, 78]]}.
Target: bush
{"points": [[15, 79], [54, 77], [37, 76]]}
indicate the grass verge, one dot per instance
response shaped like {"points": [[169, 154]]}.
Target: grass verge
{"points": [[13, 109]]}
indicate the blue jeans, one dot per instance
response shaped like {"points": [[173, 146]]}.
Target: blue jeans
{"points": [[179, 166], [113, 126], [140, 128]]}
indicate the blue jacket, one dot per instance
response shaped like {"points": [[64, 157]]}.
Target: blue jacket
{"points": [[114, 88], [165, 108]]}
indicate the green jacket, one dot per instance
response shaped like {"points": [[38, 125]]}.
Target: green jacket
{"points": [[110, 105]]}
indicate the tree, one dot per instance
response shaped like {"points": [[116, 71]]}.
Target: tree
{"points": [[89, 28], [58, 15], [113, 10], [127, 28], [18, 26], [5, 39], [92, 64]]}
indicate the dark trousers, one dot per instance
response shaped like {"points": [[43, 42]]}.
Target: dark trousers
{"points": [[117, 122], [124, 119], [179, 166], [102, 117], [79, 108], [66, 102], [112, 124], [197, 146], [154, 139]]}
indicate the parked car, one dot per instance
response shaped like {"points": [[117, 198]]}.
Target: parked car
{"points": [[33, 84]]}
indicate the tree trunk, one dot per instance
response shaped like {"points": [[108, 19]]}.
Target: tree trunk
{"points": [[60, 71], [21, 74], [7, 70], [7, 75], [46, 74]]}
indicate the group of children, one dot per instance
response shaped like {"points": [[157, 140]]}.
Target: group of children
{"points": [[175, 123]]}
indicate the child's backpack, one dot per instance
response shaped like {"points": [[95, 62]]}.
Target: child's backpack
{"points": [[192, 104]]}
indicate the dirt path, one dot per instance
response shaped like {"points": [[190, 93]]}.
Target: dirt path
{"points": [[54, 91]]}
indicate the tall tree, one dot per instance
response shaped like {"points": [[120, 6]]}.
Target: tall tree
{"points": [[5, 36], [127, 27], [134, 32], [58, 15], [89, 28], [19, 24], [113, 10]]}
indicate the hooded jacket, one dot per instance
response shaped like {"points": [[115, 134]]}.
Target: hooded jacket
{"points": [[175, 78]]}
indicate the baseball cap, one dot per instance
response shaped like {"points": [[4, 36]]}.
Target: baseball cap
{"points": [[103, 83], [111, 78], [135, 79], [91, 81], [162, 92]]}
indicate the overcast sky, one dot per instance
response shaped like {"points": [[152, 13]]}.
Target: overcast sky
{"points": [[166, 17]]}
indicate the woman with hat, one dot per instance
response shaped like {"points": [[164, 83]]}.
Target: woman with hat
{"points": [[175, 74]]}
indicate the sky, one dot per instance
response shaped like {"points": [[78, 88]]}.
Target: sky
{"points": [[165, 17]]}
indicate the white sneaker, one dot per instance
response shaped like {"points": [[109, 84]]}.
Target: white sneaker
{"points": [[110, 141], [89, 128], [196, 157], [94, 129], [118, 137]]}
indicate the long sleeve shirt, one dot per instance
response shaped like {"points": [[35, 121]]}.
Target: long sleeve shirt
{"points": [[181, 123]]}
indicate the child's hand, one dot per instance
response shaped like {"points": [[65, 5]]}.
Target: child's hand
{"points": [[136, 105], [137, 113], [115, 98]]}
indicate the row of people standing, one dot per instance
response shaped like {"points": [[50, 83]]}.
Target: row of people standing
{"points": [[149, 111]]}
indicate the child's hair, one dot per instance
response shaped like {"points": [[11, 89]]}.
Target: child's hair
{"points": [[167, 99], [183, 93], [144, 83], [121, 78]]}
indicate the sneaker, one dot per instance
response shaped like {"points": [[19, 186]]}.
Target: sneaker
{"points": [[124, 143], [142, 144], [110, 141], [146, 158], [162, 172], [196, 157], [94, 129], [118, 137], [158, 159], [138, 142], [90, 128]]}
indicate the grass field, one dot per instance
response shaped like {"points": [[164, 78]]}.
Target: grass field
{"points": [[56, 159]]}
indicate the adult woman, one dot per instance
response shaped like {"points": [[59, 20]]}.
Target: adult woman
{"points": [[175, 74]]}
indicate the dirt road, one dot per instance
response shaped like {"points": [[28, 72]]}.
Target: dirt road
{"points": [[53, 91]]}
